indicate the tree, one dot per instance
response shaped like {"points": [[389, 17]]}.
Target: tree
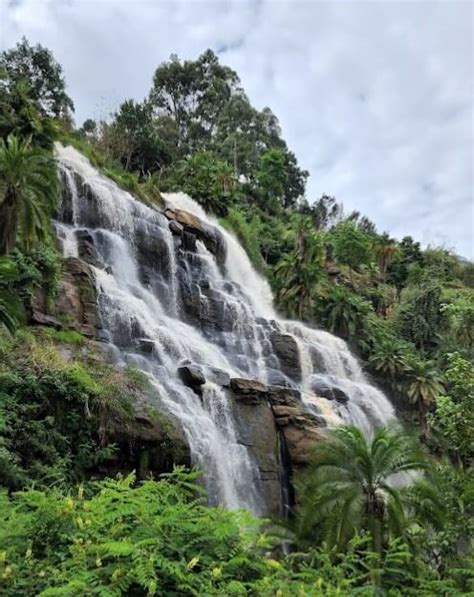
{"points": [[21, 115], [349, 488], [422, 385], [271, 178], [385, 251], [208, 180], [193, 93], [389, 359], [420, 316], [454, 414], [342, 312], [28, 190], [37, 66], [352, 246], [142, 149], [409, 254], [324, 212], [298, 272]]}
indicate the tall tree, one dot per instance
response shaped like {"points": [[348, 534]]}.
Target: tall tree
{"points": [[422, 385], [420, 316], [352, 246], [385, 251], [299, 271], [28, 192], [37, 66]]}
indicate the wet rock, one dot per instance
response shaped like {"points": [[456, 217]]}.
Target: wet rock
{"points": [[87, 250], [219, 377], [320, 388], [286, 349], [278, 395], [191, 376], [176, 227], [209, 235], [256, 429], [146, 346], [248, 391], [301, 432]]}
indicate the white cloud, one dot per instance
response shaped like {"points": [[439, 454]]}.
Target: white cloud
{"points": [[374, 98]]}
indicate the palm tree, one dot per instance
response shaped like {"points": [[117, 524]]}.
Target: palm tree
{"points": [[342, 311], [422, 385], [298, 272], [10, 307], [389, 359], [28, 191], [385, 250], [351, 487]]}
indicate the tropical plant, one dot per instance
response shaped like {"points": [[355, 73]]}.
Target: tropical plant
{"points": [[10, 306], [208, 180], [342, 311], [351, 486], [419, 315], [389, 359], [454, 414], [352, 246], [422, 385], [28, 191], [298, 272], [385, 251]]}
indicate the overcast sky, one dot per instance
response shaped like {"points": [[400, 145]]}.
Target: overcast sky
{"points": [[375, 98]]}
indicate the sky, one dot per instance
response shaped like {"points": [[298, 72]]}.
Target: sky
{"points": [[374, 97]]}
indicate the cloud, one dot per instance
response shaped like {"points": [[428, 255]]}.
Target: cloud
{"points": [[374, 98]]}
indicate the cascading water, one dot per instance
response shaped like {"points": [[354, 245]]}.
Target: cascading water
{"points": [[186, 306]]}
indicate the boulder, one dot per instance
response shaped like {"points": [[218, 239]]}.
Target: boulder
{"points": [[194, 226], [191, 376], [321, 388], [286, 349]]}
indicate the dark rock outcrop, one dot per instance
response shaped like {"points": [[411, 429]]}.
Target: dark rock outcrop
{"points": [[324, 390], [248, 391], [191, 376], [286, 349], [193, 226]]}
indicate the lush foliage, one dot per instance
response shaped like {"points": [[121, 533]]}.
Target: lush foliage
{"points": [[407, 311]]}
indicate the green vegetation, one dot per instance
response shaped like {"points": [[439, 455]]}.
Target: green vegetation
{"points": [[407, 311]]}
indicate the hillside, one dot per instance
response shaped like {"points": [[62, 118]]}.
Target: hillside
{"points": [[168, 300]]}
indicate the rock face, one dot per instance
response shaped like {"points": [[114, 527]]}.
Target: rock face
{"points": [[75, 306], [257, 431], [274, 422], [151, 442]]}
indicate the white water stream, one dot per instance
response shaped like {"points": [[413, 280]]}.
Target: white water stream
{"points": [[192, 309]]}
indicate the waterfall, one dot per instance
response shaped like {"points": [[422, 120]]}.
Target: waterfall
{"points": [[189, 307]]}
